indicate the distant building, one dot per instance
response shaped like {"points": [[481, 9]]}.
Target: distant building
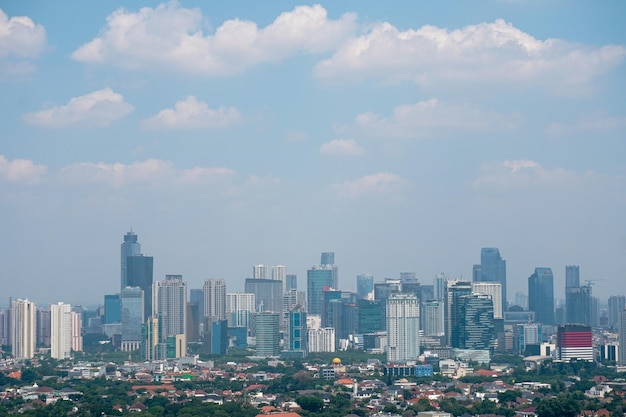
{"points": [[494, 291], [170, 308], [541, 295], [433, 320], [214, 291], [622, 338], [132, 318], [318, 278], [321, 339], [239, 308], [454, 291], [402, 328], [492, 268], [297, 332], [574, 341], [476, 324], [23, 314], [291, 282], [61, 331], [370, 316], [617, 303], [266, 329], [112, 308], [139, 271], [130, 247], [268, 294], [365, 286]]}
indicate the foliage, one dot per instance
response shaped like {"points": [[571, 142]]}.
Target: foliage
{"points": [[560, 406], [310, 403]]}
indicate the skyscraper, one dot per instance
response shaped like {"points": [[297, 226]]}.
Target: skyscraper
{"points": [[112, 308], [76, 331], [328, 258], [365, 286], [492, 269], [132, 317], [291, 282], [169, 304], [622, 338], [214, 291], [61, 331], [433, 322], [494, 290], [318, 278], [268, 294], [130, 247], [578, 299], [139, 274], [476, 325], [259, 271], [297, 332], [402, 328], [279, 273], [574, 341], [454, 290], [541, 295], [572, 276], [23, 328], [239, 309], [617, 303], [266, 329]]}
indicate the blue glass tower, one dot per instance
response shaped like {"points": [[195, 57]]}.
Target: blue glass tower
{"points": [[317, 278], [541, 295], [492, 269], [365, 286]]}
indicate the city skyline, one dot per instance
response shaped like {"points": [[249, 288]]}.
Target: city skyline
{"points": [[267, 134]]}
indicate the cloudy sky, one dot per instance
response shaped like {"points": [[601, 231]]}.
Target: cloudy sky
{"points": [[402, 136]]}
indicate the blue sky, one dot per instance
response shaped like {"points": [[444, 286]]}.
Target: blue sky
{"points": [[402, 137]]}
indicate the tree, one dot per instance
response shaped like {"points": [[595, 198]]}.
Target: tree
{"points": [[558, 407], [310, 403]]}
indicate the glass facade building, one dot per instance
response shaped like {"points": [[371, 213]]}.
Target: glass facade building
{"points": [[541, 295]]}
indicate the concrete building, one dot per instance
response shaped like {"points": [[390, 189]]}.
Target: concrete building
{"points": [[403, 342], [23, 328]]}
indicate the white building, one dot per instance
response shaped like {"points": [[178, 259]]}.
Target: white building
{"points": [[77, 337], [259, 271], [403, 328], [279, 272], [61, 331], [214, 293], [433, 322], [239, 307], [321, 339], [23, 327], [493, 290], [169, 306]]}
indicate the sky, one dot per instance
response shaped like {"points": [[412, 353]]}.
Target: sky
{"points": [[403, 136]]}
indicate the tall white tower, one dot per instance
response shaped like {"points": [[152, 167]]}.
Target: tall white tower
{"points": [[214, 292], [61, 331], [494, 290], [169, 306], [23, 313], [403, 315], [259, 272]]}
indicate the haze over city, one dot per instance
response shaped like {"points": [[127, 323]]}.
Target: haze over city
{"points": [[402, 137]]}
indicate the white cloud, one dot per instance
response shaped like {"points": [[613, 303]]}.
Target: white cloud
{"points": [[342, 147], [193, 114], [590, 124], [20, 39], [170, 37], [376, 184], [484, 53], [21, 171], [433, 118], [99, 109], [154, 172]]}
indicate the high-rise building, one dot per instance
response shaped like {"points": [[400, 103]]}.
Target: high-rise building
{"points": [[259, 271], [294, 300], [574, 341], [77, 334], [112, 308], [433, 318], [622, 338], [541, 295], [402, 328], [291, 282], [526, 334], [328, 259], [5, 327], [215, 298], [454, 290], [370, 316], [169, 304], [318, 278], [266, 329], [476, 324], [132, 318], [440, 285], [297, 332], [279, 273], [239, 309], [23, 327], [268, 294], [578, 299], [43, 327], [139, 270], [492, 268], [494, 290], [321, 339], [572, 276], [365, 286], [61, 331], [196, 300], [617, 303], [130, 247]]}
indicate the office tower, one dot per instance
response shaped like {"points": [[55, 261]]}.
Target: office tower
{"points": [[150, 341], [294, 300], [370, 316], [215, 298], [266, 329], [454, 290], [476, 325], [192, 327], [215, 339], [297, 332], [365, 286], [541, 295], [279, 273], [196, 300], [23, 327], [239, 308], [383, 290], [196, 295], [112, 309], [321, 339], [77, 335], [61, 331], [130, 247], [440, 286], [521, 300], [268, 294], [329, 312], [494, 290], [572, 276], [328, 259], [43, 327], [574, 341], [402, 328], [259, 271], [492, 269], [617, 303], [578, 299], [139, 272], [622, 338], [426, 292], [132, 317], [291, 282], [526, 334], [169, 305], [5, 327], [433, 318], [318, 278]]}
